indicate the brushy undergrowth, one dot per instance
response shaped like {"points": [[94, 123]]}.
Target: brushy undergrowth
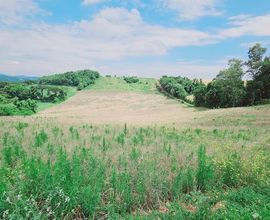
{"points": [[106, 172]]}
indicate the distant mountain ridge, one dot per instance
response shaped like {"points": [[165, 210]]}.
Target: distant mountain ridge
{"points": [[8, 78]]}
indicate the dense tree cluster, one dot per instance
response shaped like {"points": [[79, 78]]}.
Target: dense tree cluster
{"points": [[131, 79], [179, 87], [21, 98], [80, 79], [258, 89], [228, 88]]}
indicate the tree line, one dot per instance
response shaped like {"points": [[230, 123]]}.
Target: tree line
{"points": [[22, 99], [228, 89], [79, 79]]}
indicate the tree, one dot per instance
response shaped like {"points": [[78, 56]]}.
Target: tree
{"points": [[226, 90], [234, 72], [258, 89], [255, 55], [199, 95]]}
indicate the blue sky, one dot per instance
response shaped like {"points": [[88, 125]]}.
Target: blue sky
{"points": [[150, 38]]}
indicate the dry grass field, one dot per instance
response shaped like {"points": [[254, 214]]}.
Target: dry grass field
{"points": [[120, 107]]}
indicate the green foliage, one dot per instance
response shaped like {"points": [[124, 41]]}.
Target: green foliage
{"points": [[258, 89], [26, 107], [199, 95], [118, 84], [41, 138], [21, 125], [8, 109], [231, 170], [131, 79], [255, 55], [183, 182], [204, 175], [52, 190], [79, 79], [133, 173], [22, 99], [179, 87], [226, 90]]}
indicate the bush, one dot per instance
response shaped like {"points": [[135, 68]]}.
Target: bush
{"points": [[179, 87], [131, 79], [205, 173], [21, 99], [8, 109], [26, 107]]}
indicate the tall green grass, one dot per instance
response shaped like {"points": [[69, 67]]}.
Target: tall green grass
{"points": [[105, 172]]}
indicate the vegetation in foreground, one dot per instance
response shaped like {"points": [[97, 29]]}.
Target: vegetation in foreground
{"points": [[111, 172]]}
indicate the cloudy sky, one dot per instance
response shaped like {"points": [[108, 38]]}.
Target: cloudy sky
{"points": [[194, 38]]}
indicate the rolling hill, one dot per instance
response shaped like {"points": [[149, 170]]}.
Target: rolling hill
{"points": [[21, 78]]}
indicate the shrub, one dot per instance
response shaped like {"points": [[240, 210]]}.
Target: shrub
{"points": [[205, 174], [131, 79], [179, 87], [8, 109], [26, 107]]}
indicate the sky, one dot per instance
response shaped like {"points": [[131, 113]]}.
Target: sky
{"points": [[150, 38]]}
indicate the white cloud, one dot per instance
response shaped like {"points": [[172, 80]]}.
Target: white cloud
{"points": [[14, 12], [92, 2], [112, 34], [247, 25], [193, 9]]}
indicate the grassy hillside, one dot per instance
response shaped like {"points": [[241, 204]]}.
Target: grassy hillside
{"points": [[119, 84], [120, 150], [217, 166]]}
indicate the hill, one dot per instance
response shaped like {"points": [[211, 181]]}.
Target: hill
{"points": [[119, 84], [113, 100], [119, 150], [8, 78]]}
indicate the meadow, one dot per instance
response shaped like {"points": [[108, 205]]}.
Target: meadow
{"points": [[71, 164]]}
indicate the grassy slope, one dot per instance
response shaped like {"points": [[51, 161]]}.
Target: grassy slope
{"points": [[71, 91], [119, 84], [141, 173]]}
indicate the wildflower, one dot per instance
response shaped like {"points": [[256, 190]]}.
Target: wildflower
{"points": [[255, 215]]}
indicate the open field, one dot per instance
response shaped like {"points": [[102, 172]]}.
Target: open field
{"points": [[132, 153], [118, 107], [120, 102]]}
